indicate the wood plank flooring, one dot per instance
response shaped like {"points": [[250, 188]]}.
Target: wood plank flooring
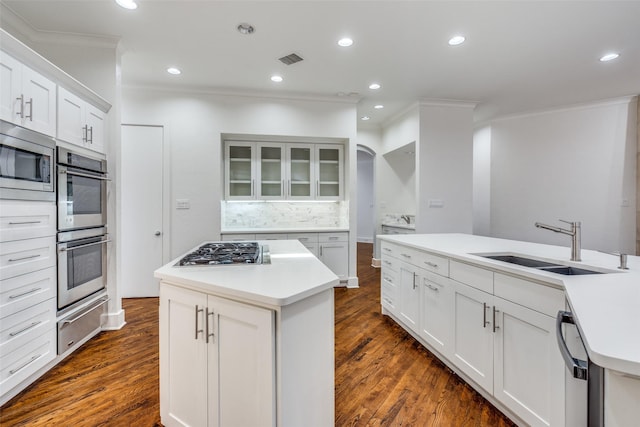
{"points": [[383, 376]]}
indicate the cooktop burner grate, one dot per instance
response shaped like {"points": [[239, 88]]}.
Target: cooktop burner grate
{"points": [[223, 253]]}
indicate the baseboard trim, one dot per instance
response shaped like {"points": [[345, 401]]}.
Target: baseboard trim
{"points": [[375, 262], [114, 321]]}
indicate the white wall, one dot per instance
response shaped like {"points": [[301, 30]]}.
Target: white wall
{"points": [[366, 208], [576, 164], [445, 164], [482, 181], [194, 123]]}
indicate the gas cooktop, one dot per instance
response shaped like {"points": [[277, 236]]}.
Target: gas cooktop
{"points": [[224, 253]]}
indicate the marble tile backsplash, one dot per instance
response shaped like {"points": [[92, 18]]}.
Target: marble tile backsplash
{"points": [[283, 215], [396, 218]]}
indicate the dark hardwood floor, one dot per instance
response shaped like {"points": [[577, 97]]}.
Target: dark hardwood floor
{"points": [[383, 376]]}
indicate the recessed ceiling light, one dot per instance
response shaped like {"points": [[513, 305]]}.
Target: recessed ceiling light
{"points": [[378, 107], [127, 4], [456, 40], [173, 70], [374, 86], [609, 57], [365, 118], [245, 28], [276, 79], [345, 42]]}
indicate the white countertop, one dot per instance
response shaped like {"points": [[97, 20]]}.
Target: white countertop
{"points": [[293, 274], [283, 230], [606, 306]]}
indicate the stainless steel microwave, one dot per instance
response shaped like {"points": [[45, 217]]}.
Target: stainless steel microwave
{"points": [[26, 164]]}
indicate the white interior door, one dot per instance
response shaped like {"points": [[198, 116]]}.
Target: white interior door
{"points": [[141, 208]]}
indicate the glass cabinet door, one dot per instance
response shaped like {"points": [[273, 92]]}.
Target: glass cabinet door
{"points": [[240, 170], [300, 178], [329, 180], [271, 171]]}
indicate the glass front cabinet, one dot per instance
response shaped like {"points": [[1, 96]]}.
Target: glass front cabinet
{"points": [[283, 171]]}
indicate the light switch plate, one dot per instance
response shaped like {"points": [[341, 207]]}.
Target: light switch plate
{"points": [[183, 204], [436, 203]]}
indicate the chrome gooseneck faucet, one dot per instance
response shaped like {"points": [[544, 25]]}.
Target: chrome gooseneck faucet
{"points": [[574, 233]]}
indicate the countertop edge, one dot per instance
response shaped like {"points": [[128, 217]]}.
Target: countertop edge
{"points": [[282, 230]]}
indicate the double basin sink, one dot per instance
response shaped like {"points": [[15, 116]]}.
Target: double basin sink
{"points": [[566, 270]]}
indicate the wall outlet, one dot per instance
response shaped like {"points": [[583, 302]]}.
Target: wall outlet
{"points": [[183, 204], [436, 203]]}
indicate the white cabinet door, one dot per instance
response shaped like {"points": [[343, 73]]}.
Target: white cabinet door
{"points": [[270, 171], [27, 98], [10, 88], [71, 119], [300, 172], [473, 334], [329, 172], [336, 257], [242, 371], [240, 170], [183, 358], [528, 369], [96, 128], [435, 308], [409, 288]]}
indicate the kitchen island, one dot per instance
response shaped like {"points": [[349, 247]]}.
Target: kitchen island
{"points": [[493, 322], [248, 344]]}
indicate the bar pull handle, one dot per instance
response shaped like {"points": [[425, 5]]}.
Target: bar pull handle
{"points": [[414, 280], [30, 104], [21, 112], [24, 365], [406, 255], [210, 333], [24, 293], [85, 133], [84, 313], [90, 135], [23, 258], [197, 311], [579, 368], [495, 326], [484, 315], [23, 222], [26, 328], [431, 264]]}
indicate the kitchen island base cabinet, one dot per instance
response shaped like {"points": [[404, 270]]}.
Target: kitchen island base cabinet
{"points": [[217, 361]]}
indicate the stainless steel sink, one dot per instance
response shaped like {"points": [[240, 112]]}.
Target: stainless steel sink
{"points": [[569, 271], [551, 267]]}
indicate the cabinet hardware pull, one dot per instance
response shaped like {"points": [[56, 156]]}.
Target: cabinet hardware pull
{"points": [[431, 264], [19, 368], [84, 246], [24, 293], [414, 280], [406, 256], [86, 175], [23, 258], [13, 334], [211, 334], [433, 288], [90, 138], [386, 249], [21, 112], [198, 310], [495, 327], [30, 103], [23, 222], [85, 133], [333, 238], [484, 314], [84, 313]]}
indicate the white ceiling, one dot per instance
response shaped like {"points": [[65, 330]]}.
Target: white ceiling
{"points": [[519, 55]]}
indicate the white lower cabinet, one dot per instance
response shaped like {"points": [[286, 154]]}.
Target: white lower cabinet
{"points": [[495, 329], [333, 251], [217, 360]]}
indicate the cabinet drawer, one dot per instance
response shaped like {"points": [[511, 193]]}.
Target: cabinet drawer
{"points": [[390, 264], [238, 237], [27, 220], [271, 236], [388, 295], [304, 237], [18, 365], [390, 276], [79, 325], [476, 277], [24, 326], [433, 263], [538, 297], [332, 237], [26, 290], [25, 256]]}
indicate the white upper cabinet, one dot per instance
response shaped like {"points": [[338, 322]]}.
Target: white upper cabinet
{"points": [[27, 98], [79, 122], [330, 172], [282, 171]]}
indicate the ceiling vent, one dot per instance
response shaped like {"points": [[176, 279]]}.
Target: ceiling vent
{"points": [[290, 59]]}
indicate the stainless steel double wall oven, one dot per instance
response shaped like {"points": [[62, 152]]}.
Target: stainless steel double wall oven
{"points": [[82, 220]]}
